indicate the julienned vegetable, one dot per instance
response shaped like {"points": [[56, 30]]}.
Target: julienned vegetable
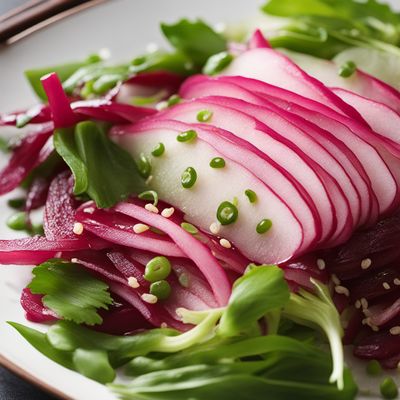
{"points": [[162, 193]]}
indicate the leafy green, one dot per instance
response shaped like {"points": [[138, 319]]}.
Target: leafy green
{"points": [[94, 364], [64, 71], [318, 310], [196, 39], [259, 291], [70, 291], [326, 27], [95, 161]]}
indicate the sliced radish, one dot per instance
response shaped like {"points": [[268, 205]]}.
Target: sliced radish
{"points": [[270, 66], [360, 82], [286, 145], [213, 186], [360, 139]]}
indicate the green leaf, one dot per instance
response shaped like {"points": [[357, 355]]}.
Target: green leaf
{"points": [[257, 292], [104, 161], [194, 39], [70, 291], [64, 143], [94, 364], [39, 341]]}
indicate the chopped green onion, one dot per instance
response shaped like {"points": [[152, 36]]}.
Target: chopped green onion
{"points": [[149, 195], [138, 60], [189, 228], [216, 63], [374, 368], [204, 116], [18, 222], [17, 203], [235, 201], [217, 162], [347, 69], [389, 389], [174, 99], [189, 178], [158, 150], [157, 269], [87, 90], [187, 136], [160, 289], [252, 196], [227, 213], [264, 226], [143, 166], [105, 83]]}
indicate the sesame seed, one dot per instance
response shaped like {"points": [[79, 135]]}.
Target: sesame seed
{"points": [[366, 312], [151, 207], [184, 279], [366, 263], [167, 212], [335, 280], [180, 311], [225, 243], [78, 228], [149, 298], [133, 282], [374, 328], [74, 260], [321, 264], [364, 302], [148, 180], [89, 210], [366, 321], [396, 281], [342, 290], [215, 227], [140, 228], [163, 325], [357, 304], [395, 330], [386, 285]]}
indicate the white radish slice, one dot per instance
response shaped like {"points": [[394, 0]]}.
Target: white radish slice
{"points": [[272, 67], [357, 188], [368, 149], [213, 186], [290, 150], [360, 82]]}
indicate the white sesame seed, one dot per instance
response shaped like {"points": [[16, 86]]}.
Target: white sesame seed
{"points": [[366, 263], [386, 285], [374, 328], [140, 228], [321, 264], [366, 321], [74, 260], [364, 302], [366, 312], [335, 280], [163, 325], [148, 180], [215, 227], [78, 228], [133, 282], [151, 207], [396, 281], [225, 243], [180, 311], [357, 304], [149, 298], [342, 290], [167, 212], [395, 330]]}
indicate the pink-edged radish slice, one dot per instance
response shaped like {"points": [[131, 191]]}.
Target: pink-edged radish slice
{"points": [[360, 82], [203, 86], [286, 145], [214, 186], [381, 118], [272, 67], [369, 148]]}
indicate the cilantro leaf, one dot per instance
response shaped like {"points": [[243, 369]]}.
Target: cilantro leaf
{"points": [[95, 162], [196, 40], [70, 291]]}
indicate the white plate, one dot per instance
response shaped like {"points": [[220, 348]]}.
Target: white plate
{"points": [[125, 27]]}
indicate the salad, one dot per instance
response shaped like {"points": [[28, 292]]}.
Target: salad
{"points": [[220, 218]]}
